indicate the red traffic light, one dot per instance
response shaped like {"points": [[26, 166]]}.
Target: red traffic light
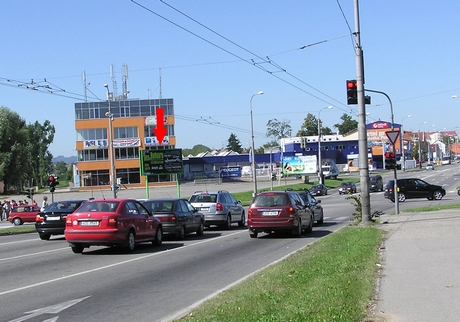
{"points": [[351, 84], [389, 155], [51, 179]]}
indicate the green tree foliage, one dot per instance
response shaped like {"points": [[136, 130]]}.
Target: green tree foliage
{"points": [[23, 150], [347, 125], [278, 130], [197, 149], [234, 144], [309, 127], [40, 157]]}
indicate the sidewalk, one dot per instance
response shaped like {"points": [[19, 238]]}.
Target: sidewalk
{"points": [[420, 276]]}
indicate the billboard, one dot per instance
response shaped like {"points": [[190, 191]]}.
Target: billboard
{"points": [[378, 141], [299, 164], [161, 161], [230, 172]]}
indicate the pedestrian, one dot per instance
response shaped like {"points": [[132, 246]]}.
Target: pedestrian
{"points": [[34, 203], [6, 209], [44, 203], [13, 204]]}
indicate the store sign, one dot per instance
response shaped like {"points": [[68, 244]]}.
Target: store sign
{"points": [[161, 162], [153, 141], [95, 144], [230, 172]]}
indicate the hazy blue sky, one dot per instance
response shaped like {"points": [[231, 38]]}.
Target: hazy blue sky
{"points": [[411, 52]]}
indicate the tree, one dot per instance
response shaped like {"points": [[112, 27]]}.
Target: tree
{"points": [[40, 159], [347, 125], [13, 140], [309, 127], [278, 130], [197, 149], [234, 144]]}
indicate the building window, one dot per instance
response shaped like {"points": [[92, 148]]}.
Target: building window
{"points": [[93, 155], [126, 153], [95, 178], [125, 132], [91, 134], [129, 176]]}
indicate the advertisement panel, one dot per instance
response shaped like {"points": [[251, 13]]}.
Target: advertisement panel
{"points": [[230, 172], [161, 161], [378, 141], [299, 164]]}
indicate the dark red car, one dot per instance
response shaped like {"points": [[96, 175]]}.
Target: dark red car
{"points": [[275, 211], [22, 214], [112, 222]]}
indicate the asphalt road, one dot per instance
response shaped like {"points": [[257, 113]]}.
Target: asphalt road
{"points": [[44, 280]]}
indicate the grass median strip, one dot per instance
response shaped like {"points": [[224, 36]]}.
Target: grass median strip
{"points": [[330, 280]]}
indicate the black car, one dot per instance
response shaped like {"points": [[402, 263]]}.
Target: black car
{"points": [[177, 216], [314, 206], [51, 221], [414, 188], [375, 183], [347, 188], [318, 190]]}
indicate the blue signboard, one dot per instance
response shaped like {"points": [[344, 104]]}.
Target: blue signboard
{"points": [[230, 172]]}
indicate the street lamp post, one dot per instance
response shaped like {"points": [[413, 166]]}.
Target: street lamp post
{"points": [[320, 166], [420, 146], [402, 140], [111, 152], [271, 174], [253, 154]]}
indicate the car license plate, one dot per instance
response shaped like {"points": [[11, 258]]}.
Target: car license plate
{"points": [[53, 218], [204, 209], [89, 223], [270, 213]]}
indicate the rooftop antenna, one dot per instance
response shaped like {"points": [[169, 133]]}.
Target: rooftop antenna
{"points": [[85, 86], [125, 81], [114, 83], [160, 82]]}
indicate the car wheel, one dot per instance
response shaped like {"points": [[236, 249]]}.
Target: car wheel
{"points": [[77, 249], [130, 243], [158, 237], [253, 234], [242, 222], [458, 192], [44, 236], [180, 233], [17, 221], [228, 224], [437, 195], [321, 219], [200, 230], [401, 197], [297, 231], [310, 226]]}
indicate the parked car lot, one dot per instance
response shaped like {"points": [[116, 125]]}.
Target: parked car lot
{"points": [[347, 188], [279, 211], [52, 220], [219, 208], [22, 214], [318, 190], [414, 188], [112, 222], [177, 216]]}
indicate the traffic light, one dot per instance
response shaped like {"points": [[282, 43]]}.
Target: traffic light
{"points": [[352, 92], [30, 193], [52, 181], [390, 160]]}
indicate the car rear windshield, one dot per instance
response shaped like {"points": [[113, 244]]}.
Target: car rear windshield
{"points": [[63, 206], [271, 200], [159, 205], [204, 198], [99, 206]]}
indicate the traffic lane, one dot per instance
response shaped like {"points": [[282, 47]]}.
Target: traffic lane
{"points": [[150, 286]]}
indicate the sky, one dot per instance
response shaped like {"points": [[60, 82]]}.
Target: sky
{"points": [[212, 56]]}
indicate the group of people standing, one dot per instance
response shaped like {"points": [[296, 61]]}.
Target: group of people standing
{"points": [[6, 206]]}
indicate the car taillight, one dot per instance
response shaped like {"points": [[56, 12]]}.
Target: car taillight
{"points": [[250, 213], [291, 212], [68, 221], [219, 207], [167, 218], [112, 222], [39, 219]]}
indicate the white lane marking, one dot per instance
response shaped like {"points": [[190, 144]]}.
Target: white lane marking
{"points": [[19, 242], [34, 254], [113, 265]]}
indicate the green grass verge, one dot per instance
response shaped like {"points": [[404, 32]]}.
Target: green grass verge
{"points": [[17, 230], [330, 280], [433, 208]]}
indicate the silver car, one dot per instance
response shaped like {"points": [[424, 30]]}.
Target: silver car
{"points": [[219, 208]]}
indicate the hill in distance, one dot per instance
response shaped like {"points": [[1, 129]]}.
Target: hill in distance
{"points": [[66, 160]]}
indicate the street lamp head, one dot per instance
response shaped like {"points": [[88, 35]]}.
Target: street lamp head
{"points": [[454, 96], [260, 92], [330, 106], [106, 86]]}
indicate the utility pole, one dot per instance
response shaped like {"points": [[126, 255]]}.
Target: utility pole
{"points": [[362, 132]]}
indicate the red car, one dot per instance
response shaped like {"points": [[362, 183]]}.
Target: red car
{"points": [[275, 211], [112, 222], [22, 214]]}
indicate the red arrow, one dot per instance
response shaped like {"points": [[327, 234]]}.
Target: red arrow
{"points": [[160, 130]]}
